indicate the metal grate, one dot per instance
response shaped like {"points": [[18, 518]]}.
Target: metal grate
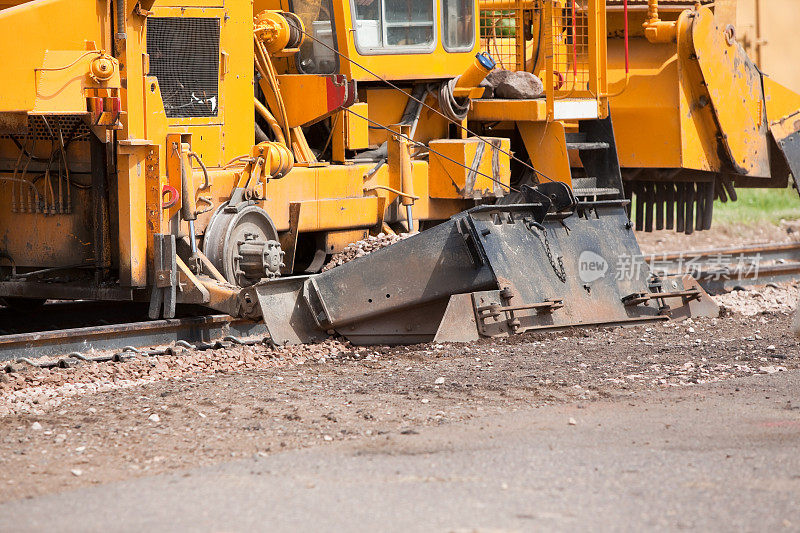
{"points": [[499, 31], [71, 127], [570, 34], [184, 57]]}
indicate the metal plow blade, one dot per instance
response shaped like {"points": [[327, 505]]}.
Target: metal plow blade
{"points": [[491, 271], [786, 132]]}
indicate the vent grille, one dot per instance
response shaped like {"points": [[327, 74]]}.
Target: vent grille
{"points": [[71, 127], [184, 57]]}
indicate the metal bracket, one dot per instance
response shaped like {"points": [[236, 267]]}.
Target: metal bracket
{"points": [[289, 238], [494, 310], [557, 196], [494, 315], [643, 297], [165, 280]]}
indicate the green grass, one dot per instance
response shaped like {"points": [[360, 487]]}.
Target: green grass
{"points": [[759, 206]]}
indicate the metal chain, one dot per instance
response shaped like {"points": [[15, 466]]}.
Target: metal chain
{"points": [[559, 268]]}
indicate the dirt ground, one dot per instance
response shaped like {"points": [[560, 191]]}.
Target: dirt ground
{"points": [[209, 418], [99, 423], [718, 236]]}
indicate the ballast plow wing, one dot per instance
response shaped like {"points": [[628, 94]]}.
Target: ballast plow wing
{"points": [[491, 271]]}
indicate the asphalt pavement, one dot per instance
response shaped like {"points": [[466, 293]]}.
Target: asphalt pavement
{"points": [[714, 458]]}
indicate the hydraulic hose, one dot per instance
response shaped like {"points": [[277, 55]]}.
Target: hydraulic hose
{"points": [[273, 123], [450, 107], [121, 34]]}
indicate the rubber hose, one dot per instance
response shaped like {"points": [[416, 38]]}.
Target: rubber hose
{"points": [[449, 105]]}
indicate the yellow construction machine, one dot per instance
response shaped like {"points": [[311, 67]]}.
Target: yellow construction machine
{"points": [[216, 153], [694, 116]]}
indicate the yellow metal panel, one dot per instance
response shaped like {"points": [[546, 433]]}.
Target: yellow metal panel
{"points": [[30, 29], [385, 107], [61, 91], [338, 137], [339, 213], [132, 74], [664, 96], [236, 35], [155, 120], [449, 179], [153, 197], [189, 3], [206, 142], [335, 241], [781, 101], [305, 96], [649, 103], [304, 183], [736, 94], [699, 143], [357, 129], [63, 78], [132, 190], [339, 181], [35, 240], [547, 147], [511, 110]]}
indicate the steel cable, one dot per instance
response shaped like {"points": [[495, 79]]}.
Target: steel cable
{"points": [[438, 112], [418, 143]]}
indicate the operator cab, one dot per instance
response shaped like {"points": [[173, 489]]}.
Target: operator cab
{"points": [[397, 40]]}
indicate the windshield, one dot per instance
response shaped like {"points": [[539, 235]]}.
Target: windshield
{"points": [[392, 24]]}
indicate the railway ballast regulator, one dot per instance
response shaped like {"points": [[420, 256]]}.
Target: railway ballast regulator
{"points": [[217, 152]]}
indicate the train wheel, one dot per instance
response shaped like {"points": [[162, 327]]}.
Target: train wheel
{"points": [[243, 245]]}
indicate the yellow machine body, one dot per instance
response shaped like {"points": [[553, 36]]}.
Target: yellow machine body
{"points": [[706, 106], [136, 120], [693, 114], [199, 146]]}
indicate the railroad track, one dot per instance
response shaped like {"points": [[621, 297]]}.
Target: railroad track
{"points": [[69, 332], [60, 329], [720, 270]]}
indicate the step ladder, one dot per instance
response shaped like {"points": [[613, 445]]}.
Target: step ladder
{"points": [[601, 177]]}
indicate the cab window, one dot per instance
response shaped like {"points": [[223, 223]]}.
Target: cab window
{"points": [[458, 25], [393, 25]]}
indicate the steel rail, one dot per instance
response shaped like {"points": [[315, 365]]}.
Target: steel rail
{"points": [[60, 342], [786, 251], [745, 265]]}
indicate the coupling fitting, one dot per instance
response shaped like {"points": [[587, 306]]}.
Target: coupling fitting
{"points": [[476, 72], [656, 30], [102, 68], [256, 259], [278, 159]]}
